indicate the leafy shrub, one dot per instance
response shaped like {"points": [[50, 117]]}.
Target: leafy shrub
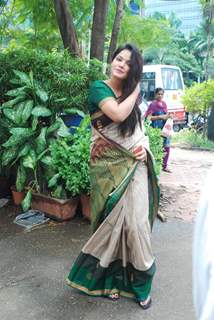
{"points": [[65, 78], [30, 125], [199, 98], [156, 145], [193, 139], [70, 158]]}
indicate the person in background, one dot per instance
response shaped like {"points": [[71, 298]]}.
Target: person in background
{"points": [[118, 259], [158, 114], [203, 253]]}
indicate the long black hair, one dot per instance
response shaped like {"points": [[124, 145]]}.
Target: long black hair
{"points": [[127, 127]]}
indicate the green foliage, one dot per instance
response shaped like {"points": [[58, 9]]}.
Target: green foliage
{"points": [[82, 14], [70, 157], [33, 24], [191, 138], [27, 201], [67, 86], [186, 52], [156, 145], [199, 98], [145, 33], [30, 24], [26, 120]]}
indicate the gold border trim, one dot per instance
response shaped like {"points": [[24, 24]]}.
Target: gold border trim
{"points": [[104, 292]]}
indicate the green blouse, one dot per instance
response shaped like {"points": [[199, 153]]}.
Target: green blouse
{"points": [[98, 92]]}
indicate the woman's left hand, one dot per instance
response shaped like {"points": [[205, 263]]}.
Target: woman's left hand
{"points": [[140, 153]]}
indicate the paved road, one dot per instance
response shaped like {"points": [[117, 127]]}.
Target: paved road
{"points": [[33, 264], [182, 188]]}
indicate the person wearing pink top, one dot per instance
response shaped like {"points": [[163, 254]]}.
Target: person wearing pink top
{"points": [[158, 114]]}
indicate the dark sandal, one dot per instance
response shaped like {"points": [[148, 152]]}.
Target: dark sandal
{"points": [[114, 296], [146, 305]]}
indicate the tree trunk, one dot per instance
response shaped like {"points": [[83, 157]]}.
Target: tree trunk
{"points": [[116, 29], [210, 131], [208, 15], [66, 26], [98, 29]]}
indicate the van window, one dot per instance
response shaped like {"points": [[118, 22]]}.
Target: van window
{"points": [[171, 79], [148, 85]]}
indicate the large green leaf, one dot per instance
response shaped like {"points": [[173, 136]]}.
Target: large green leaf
{"points": [[21, 178], [41, 141], [8, 155], [35, 123], [19, 111], [74, 111], [43, 96], [16, 92], [12, 102], [25, 132], [10, 114], [26, 113], [53, 181], [63, 130], [60, 100], [27, 201], [40, 111], [15, 140], [25, 150], [29, 161], [31, 77], [23, 77]]}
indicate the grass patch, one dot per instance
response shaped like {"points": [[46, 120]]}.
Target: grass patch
{"points": [[192, 139]]}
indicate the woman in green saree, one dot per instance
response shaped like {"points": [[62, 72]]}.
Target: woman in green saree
{"points": [[118, 260]]}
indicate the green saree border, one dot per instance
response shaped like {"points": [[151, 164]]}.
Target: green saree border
{"points": [[88, 276], [98, 293]]}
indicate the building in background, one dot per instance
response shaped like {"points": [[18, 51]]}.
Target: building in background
{"points": [[189, 12]]}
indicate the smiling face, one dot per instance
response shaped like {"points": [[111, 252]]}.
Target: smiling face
{"points": [[120, 66]]}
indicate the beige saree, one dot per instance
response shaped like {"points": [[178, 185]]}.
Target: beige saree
{"points": [[118, 257]]}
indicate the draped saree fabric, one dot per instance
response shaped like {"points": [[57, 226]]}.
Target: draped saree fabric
{"points": [[124, 201]]}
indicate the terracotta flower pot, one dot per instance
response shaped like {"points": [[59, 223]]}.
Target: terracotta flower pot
{"points": [[57, 209], [85, 204], [17, 196]]}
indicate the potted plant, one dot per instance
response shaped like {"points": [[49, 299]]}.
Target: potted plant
{"points": [[5, 178], [70, 157], [31, 125]]}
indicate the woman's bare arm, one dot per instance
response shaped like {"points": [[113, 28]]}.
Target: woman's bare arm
{"points": [[118, 112], [160, 117]]}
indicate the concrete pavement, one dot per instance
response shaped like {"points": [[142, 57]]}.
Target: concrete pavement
{"points": [[33, 266]]}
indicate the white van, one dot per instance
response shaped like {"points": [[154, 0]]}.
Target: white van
{"points": [[170, 79]]}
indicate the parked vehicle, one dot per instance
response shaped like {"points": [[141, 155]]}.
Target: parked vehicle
{"points": [[170, 79], [199, 122]]}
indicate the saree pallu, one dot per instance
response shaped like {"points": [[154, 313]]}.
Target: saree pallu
{"points": [[124, 201]]}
